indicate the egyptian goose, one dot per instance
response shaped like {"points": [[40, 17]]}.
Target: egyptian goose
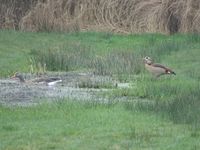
{"points": [[156, 69], [48, 81]]}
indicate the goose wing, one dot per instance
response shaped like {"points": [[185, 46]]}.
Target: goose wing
{"points": [[51, 79], [167, 70]]}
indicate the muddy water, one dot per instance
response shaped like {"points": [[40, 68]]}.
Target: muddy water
{"points": [[12, 92]]}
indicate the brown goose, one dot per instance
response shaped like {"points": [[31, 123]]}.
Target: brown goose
{"points": [[48, 81], [156, 69]]}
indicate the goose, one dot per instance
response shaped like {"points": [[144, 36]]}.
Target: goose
{"points": [[48, 81], [156, 69]]}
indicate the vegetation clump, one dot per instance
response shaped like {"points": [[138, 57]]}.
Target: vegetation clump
{"points": [[122, 16]]}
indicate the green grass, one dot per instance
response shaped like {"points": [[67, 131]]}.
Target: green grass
{"points": [[171, 121], [80, 125], [17, 48]]}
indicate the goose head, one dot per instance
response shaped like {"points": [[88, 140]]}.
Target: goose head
{"points": [[147, 60], [19, 76]]}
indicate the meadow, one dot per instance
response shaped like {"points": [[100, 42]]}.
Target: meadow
{"points": [[171, 121]]}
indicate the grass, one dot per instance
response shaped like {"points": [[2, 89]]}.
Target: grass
{"points": [[18, 48], [171, 121], [73, 56], [78, 125]]}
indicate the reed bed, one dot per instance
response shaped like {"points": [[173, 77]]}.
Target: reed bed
{"points": [[121, 16]]}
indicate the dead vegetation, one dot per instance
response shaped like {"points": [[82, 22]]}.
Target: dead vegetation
{"points": [[123, 16], [12, 11]]}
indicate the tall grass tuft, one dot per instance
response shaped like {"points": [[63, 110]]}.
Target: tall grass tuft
{"points": [[62, 59], [115, 61], [193, 38], [185, 105], [73, 57], [160, 49], [178, 99], [118, 62]]}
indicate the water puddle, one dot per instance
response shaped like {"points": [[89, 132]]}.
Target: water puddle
{"points": [[80, 86]]}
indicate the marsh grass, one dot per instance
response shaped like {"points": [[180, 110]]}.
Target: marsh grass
{"points": [[88, 125], [178, 99], [77, 57], [114, 125], [171, 95], [115, 61], [163, 48], [185, 105], [101, 15], [193, 38], [67, 58]]}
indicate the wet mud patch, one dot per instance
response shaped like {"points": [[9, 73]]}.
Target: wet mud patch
{"points": [[80, 86]]}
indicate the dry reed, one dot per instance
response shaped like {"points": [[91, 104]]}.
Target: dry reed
{"points": [[123, 16]]}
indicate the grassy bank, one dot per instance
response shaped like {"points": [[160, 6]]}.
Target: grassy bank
{"points": [[76, 125], [120, 126], [105, 53]]}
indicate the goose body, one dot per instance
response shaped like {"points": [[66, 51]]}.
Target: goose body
{"points": [[156, 69], [48, 81]]}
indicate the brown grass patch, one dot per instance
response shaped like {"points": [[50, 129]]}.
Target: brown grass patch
{"points": [[124, 16]]}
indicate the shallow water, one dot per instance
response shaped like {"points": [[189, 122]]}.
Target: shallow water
{"points": [[12, 92]]}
